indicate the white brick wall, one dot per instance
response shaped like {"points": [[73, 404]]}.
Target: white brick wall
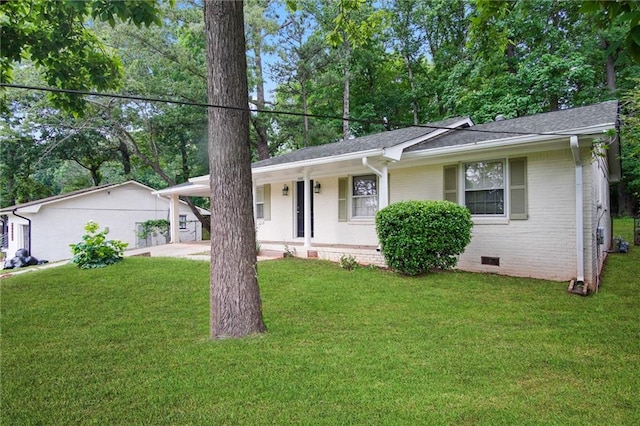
{"points": [[327, 229], [543, 246]]}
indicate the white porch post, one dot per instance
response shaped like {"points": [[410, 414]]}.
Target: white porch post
{"points": [[174, 218], [307, 209]]}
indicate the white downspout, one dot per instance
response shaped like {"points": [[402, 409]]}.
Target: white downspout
{"points": [[383, 195], [577, 159], [174, 218]]}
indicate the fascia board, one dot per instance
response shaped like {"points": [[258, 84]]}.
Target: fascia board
{"points": [[183, 190], [507, 142], [35, 208], [317, 161], [395, 152], [204, 179]]}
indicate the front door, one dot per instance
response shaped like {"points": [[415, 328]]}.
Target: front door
{"points": [[300, 207]]}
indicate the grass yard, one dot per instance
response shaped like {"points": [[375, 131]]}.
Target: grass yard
{"points": [[128, 344]]}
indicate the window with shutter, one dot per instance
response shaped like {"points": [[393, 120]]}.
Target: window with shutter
{"points": [[364, 197], [484, 187], [260, 202], [518, 188], [263, 202]]}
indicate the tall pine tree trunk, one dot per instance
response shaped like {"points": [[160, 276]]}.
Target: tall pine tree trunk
{"points": [[346, 91], [262, 144], [412, 85], [305, 111], [235, 296]]}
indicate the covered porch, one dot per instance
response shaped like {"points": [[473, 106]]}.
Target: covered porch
{"points": [[295, 180]]}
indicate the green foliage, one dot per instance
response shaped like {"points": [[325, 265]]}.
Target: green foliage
{"points": [[55, 36], [348, 262], [289, 252], [625, 12], [418, 236], [20, 157], [630, 142], [355, 23], [150, 227], [95, 251]]}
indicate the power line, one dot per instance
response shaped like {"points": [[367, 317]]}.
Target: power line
{"points": [[263, 111]]}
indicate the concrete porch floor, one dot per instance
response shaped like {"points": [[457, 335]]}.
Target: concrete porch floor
{"points": [[199, 250]]}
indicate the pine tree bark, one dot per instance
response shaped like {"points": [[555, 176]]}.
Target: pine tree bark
{"points": [[262, 144], [235, 295], [346, 91]]}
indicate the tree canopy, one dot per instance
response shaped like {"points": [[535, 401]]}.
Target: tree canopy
{"points": [[389, 63], [56, 36]]}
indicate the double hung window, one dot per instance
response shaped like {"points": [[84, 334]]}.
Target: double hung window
{"points": [[484, 187], [263, 202], [489, 188], [364, 198]]}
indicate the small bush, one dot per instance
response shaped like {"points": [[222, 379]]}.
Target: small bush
{"points": [[348, 262], [288, 252], [151, 227], [418, 236], [95, 251]]}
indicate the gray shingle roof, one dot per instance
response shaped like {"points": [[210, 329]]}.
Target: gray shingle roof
{"points": [[364, 143], [605, 113]]}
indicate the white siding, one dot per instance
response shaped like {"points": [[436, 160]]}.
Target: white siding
{"points": [[61, 223]]}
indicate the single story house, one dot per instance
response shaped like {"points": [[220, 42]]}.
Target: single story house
{"points": [[46, 227], [537, 188]]}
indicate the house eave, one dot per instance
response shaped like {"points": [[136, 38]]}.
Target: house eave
{"points": [[318, 161], [510, 142]]}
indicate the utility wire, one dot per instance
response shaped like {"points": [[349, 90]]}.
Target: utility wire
{"points": [[264, 111]]}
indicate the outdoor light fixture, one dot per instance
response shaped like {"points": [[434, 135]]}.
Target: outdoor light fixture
{"points": [[285, 190], [316, 188]]}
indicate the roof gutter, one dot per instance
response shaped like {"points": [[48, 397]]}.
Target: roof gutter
{"points": [[577, 159], [28, 220]]}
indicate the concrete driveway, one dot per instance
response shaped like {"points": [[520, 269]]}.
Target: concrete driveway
{"points": [[200, 250]]}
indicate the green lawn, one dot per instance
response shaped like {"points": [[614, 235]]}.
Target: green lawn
{"points": [[128, 344]]}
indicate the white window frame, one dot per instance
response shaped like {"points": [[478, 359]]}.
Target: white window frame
{"points": [[182, 221], [353, 198], [504, 188], [260, 202]]}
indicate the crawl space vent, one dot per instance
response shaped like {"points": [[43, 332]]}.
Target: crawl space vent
{"points": [[486, 260]]}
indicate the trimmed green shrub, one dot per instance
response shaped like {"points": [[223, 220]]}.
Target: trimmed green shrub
{"points": [[418, 236], [95, 251]]}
